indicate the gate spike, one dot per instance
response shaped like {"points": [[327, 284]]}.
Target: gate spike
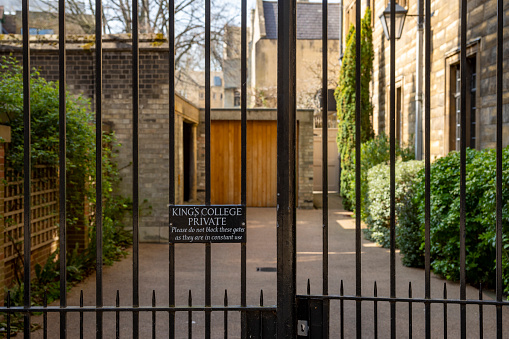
{"points": [[45, 315], [375, 311], [410, 331], [190, 316], [225, 315], [341, 288], [481, 315], [117, 316], [153, 314], [445, 311], [81, 314], [261, 297], [8, 314], [309, 287]]}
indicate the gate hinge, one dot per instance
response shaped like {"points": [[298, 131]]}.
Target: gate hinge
{"points": [[302, 328]]}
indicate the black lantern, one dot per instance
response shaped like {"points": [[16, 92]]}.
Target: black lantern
{"points": [[385, 17]]}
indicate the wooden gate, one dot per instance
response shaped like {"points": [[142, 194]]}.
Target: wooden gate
{"points": [[261, 162]]}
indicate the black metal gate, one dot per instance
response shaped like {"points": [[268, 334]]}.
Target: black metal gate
{"points": [[295, 315]]}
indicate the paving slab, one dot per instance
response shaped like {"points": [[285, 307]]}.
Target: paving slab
{"points": [[261, 258]]}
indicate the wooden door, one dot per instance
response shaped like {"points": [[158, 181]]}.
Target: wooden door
{"points": [[225, 165]]}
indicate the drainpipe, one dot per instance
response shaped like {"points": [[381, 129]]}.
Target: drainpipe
{"points": [[340, 32], [418, 77]]}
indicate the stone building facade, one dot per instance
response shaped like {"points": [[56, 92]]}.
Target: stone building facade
{"points": [[262, 53], [445, 82]]}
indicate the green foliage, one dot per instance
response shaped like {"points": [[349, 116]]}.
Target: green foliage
{"points": [[81, 172], [445, 217], [374, 152], [378, 197], [346, 98]]}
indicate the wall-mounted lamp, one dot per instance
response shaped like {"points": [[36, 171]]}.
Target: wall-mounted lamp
{"points": [[385, 17]]}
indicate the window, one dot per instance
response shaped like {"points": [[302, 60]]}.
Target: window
{"points": [[399, 120], [236, 99], [202, 95], [455, 108]]}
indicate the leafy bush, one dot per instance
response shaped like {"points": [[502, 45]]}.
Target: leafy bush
{"points": [[445, 217], [374, 152], [80, 162], [378, 197]]}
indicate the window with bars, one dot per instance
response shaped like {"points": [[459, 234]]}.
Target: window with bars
{"points": [[455, 119]]}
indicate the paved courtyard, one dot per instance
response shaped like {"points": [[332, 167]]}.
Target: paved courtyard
{"points": [[261, 253]]}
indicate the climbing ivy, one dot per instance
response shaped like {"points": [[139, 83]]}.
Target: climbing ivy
{"points": [[346, 98]]}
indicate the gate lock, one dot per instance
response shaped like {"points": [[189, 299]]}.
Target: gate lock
{"points": [[312, 318], [302, 328]]}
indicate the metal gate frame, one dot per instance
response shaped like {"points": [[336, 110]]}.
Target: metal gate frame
{"points": [[288, 302]]}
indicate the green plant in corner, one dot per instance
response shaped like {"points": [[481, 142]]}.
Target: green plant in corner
{"points": [[80, 163]]}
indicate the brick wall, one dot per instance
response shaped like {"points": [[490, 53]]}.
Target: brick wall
{"points": [[117, 112]]}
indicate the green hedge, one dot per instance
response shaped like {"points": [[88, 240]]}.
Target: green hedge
{"points": [[377, 201], [374, 152], [445, 218]]}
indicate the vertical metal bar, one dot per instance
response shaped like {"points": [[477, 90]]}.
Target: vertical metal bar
{"points": [[463, 160], [225, 315], [243, 183], [358, 239], [171, 165], [427, 170], [499, 206], [190, 316], [208, 250], [261, 315], [325, 167], [286, 170], [45, 316], [62, 165], [98, 165], [27, 169], [481, 316], [342, 311], [445, 310], [8, 315], [81, 315], [136, 199], [375, 312], [410, 311], [393, 169], [117, 316], [154, 315]]}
